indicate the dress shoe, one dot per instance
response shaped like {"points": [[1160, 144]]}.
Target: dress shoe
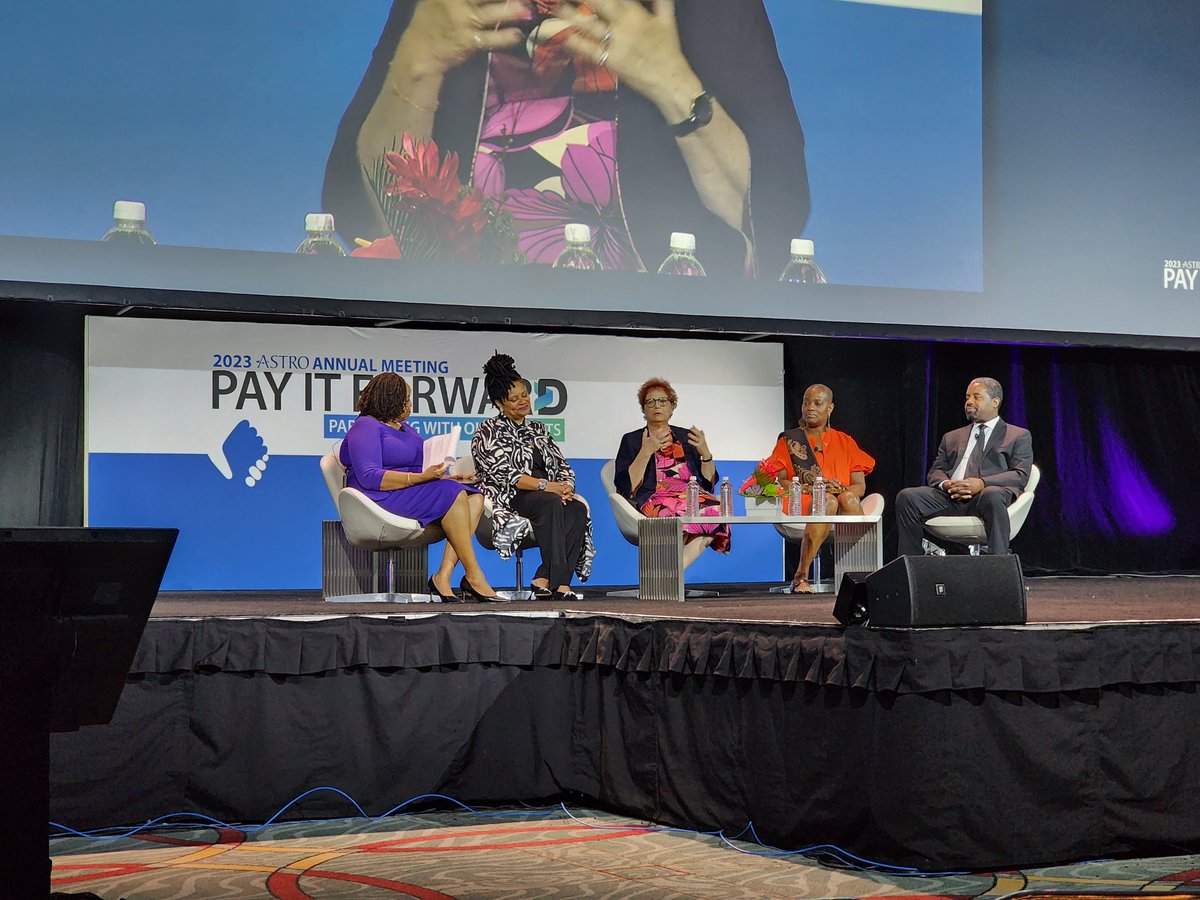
{"points": [[442, 598], [542, 593], [567, 595], [469, 593]]}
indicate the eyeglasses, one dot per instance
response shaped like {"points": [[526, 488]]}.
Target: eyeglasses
{"points": [[658, 401]]}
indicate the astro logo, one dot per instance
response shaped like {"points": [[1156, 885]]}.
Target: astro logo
{"points": [[243, 455], [1180, 273]]}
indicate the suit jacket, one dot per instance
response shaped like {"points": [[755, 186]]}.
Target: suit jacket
{"points": [[1007, 457], [631, 445]]}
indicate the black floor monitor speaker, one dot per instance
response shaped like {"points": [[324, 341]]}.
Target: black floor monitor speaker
{"points": [[75, 601], [851, 605], [916, 591]]}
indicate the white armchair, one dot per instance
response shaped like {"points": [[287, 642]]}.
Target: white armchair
{"points": [[371, 548], [970, 530]]}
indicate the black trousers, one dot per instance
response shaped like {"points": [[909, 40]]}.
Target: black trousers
{"points": [[558, 530], [916, 504]]}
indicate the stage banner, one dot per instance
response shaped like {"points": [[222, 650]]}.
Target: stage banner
{"points": [[216, 428]]}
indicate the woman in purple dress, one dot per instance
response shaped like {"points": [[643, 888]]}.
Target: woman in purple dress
{"points": [[383, 458]]}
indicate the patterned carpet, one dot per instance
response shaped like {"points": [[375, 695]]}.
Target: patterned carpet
{"points": [[530, 854]]}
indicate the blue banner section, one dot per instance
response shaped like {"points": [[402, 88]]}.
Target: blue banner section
{"points": [[337, 425], [268, 537]]}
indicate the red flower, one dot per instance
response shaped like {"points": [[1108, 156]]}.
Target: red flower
{"points": [[421, 176], [428, 211]]}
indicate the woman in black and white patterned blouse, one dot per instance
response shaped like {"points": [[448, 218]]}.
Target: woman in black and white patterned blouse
{"points": [[523, 472]]}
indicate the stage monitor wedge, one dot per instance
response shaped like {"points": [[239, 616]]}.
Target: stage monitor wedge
{"points": [[932, 591], [81, 596]]}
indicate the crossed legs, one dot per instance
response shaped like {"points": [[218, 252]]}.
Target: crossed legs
{"points": [[844, 503], [459, 523]]}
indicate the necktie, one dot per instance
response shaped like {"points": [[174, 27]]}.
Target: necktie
{"points": [[976, 459]]}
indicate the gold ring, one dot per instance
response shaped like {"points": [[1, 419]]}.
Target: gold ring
{"points": [[603, 58], [607, 36], [476, 22], [478, 40]]}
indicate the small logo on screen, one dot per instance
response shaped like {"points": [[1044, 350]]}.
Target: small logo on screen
{"points": [[940, 589], [1180, 274]]}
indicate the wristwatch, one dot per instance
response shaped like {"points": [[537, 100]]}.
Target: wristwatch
{"points": [[702, 113], [542, 483]]}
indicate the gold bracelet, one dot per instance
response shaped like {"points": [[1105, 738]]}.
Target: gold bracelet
{"points": [[413, 103]]}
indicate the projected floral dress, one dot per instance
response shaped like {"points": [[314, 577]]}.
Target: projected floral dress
{"points": [[548, 152], [559, 141]]}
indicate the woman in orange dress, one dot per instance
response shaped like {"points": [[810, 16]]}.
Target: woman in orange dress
{"points": [[815, 448]]}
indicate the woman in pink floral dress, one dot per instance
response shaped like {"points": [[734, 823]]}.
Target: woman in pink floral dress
{"points": [[654, 464], [634, 117]]}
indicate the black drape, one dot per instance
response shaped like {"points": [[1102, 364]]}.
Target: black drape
{"points": [[963, 747], [1113, 435], [41, 414]]}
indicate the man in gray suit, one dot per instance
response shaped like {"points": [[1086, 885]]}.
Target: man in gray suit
{"points": [[979, 470]]}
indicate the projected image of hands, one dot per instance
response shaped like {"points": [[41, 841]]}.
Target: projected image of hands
{"points": [[474, 131]]}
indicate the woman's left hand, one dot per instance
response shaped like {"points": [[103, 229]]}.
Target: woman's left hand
{"points": [[564, 489], [697, 439], [639, 46]]}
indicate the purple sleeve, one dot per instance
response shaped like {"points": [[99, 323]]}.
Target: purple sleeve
{"points": [[363, 447]]}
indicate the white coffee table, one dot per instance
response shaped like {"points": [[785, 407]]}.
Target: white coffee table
{"points": [[857, 547]]}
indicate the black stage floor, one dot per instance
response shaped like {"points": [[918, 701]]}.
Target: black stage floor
{"points": [[1118, 598]]}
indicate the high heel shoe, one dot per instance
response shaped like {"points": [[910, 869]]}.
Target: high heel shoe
{"points": [[442, 598], [469, 593]]}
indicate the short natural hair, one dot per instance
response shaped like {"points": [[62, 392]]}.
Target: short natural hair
{"points": [[384, 397], [993, 387], [660, 383], [820, 387]]}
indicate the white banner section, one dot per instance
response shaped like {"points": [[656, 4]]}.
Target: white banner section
{"points": [[216, 429]]}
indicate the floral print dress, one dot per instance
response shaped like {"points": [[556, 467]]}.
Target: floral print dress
{"points": [[547, 148], [670, 493]]}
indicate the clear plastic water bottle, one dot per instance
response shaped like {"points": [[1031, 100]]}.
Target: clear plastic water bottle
{"points": [[320, 240], [129, 224], [578, 253], [818, 489], [726, 497], [796, 498], [682, 258], [800, 268], [692, 504]]}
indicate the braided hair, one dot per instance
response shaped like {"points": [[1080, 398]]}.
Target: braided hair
{"points": [[499, 376], [384, 397]]}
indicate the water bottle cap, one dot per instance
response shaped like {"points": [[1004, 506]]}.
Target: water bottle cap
{"points": [[802, 247], [318, 222], [129, 211], [577, 234], [681, 240]]}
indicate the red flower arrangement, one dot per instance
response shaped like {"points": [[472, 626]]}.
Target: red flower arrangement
{"points": [[431, 214], [763, 481]]}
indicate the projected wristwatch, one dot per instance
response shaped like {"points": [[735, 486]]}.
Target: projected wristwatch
{"points": [[702, 113]]}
